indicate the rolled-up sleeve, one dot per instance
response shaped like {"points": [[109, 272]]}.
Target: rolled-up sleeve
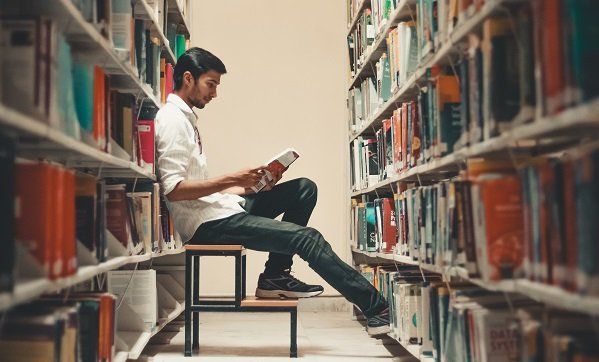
{"points": [[173, 148]]}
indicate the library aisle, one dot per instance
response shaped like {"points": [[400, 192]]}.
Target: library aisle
{"points": [[323, 336]]}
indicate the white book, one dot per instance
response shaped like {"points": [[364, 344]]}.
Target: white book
{"points": [[278, 163], [137, 289]]}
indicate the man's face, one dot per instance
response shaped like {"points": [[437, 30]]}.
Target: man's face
{"points": [[202, 90]]}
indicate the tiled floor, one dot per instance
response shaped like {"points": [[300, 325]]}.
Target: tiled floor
{"points": [[322, 336]]}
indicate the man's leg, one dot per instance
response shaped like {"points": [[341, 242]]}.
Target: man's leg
{"points": [[264, 234], [295, 199]]}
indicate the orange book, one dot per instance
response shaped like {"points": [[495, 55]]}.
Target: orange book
{"points": [[404, 135], [99, 115], [499, 243], [107, 327], [70, 239], [163, 80], [34, 210], [396, 125]]}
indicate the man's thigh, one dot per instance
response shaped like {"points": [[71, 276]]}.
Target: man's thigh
{"points": [[253, 232], [274, 202]]}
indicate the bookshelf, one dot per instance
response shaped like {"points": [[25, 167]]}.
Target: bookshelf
{"points": [[37, 138], [56, 146], [532, 135]]}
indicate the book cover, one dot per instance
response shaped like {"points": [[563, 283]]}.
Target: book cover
{"points": [[501, 78], [499, 224], [85, 205], [584, 51], [279, 163], [371, 240], [117, 221], [448, 106], [99, 108], [587, 214], [34, 199], [146, 136], [7, 209], [101, 245]]}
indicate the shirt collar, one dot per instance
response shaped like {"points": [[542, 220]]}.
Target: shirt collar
{"points": [[180, 103]]}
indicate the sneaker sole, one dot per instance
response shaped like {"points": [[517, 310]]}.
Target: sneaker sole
{"points": [[375, 331], [283, 294]]}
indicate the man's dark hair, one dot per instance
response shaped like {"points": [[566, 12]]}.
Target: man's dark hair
{"points": [[197, 61]]}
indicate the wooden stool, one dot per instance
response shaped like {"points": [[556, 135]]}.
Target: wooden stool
{"points": [[193, 304]]}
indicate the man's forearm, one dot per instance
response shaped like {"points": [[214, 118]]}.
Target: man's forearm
{"points": [[238, 190], [191, 190]]}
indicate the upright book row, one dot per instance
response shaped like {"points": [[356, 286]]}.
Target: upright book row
{"points": [[459, 322], [61, 85], [530, 61], [496, 222], [51, 212]]}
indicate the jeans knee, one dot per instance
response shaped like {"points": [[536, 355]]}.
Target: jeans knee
{"points": [[308, 189]]}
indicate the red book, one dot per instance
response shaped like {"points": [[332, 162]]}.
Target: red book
{"points": [[57, 266], [500, 245], [34, 207], [169, 83], [145, 131], [389, 225], [70, 229], [404, 134], [99, 115]]}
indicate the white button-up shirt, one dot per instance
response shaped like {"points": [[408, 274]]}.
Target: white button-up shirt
{"points": [[180, 158]]}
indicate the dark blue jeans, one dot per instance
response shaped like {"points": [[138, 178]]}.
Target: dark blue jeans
{"points": [[256, 230]]}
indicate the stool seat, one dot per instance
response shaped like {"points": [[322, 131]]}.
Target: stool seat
{"points": [[261, 302], [214, 247]]}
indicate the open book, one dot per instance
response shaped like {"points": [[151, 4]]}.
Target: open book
{"points": [[278, 163]]}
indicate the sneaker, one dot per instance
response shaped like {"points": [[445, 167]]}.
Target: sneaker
{"points": [[379, 323], [285, 285]]}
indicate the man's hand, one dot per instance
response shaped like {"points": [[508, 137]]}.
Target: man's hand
{"points": [[276, 174], [248, 177]]}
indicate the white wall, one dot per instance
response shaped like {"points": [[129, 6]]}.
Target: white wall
{"points": [[285, 86]]}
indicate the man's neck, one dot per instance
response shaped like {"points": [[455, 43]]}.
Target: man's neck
{"points": [[185, 99]]}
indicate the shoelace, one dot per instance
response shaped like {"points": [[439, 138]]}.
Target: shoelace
{"points": [[288, 273]]}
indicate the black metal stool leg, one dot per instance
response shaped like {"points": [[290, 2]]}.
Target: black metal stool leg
{"points": [[196, 301], [238, 280], [188, 272], [243, 277], [293, 349]]}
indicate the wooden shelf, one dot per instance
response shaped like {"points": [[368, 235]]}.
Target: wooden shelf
{"points": [[544, 293], [39, 140], [30, 289], [574, 123]]}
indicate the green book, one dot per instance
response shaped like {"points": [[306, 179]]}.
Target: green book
{"points": [[370, 227], [180, 45]]}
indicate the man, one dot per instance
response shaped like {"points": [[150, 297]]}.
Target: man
{"points": [[225, 210]]}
